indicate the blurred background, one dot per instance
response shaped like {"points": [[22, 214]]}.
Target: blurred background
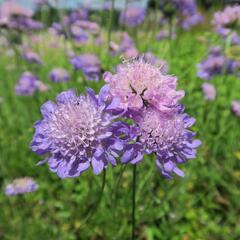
{"points": [[48, 46]]}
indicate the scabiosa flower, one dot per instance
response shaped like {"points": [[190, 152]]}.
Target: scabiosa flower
{"points": [[236, 107], [78, 34], [213, 65], [21, 186], [227, 21], [138, 83], [167, 136], [133, 16], [27, 84], [78, 132], [164, 35], [209, 91], [31, 57], [89, 64], [59, 75], [191, 21], [42, 87], [89, 26]]}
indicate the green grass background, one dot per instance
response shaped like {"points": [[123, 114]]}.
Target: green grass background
{"points": [[204, 205]]}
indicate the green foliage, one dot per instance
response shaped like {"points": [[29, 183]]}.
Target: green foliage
{"points": [[203, 205]]}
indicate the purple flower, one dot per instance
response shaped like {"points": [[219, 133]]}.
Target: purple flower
{"points": [[191, 21], [78, 34], [59, 75], [80, 14], [42, 87], [164, 35], [27, 84], [216, 64], [213, 65], [89, 64], [185, 11], [227, 23], [31, 57], [138, 83], [209, 91], [78, 132], [21, 186], [165, 135], [91, 27], [133, 16], [127, 46], [236, 107]]}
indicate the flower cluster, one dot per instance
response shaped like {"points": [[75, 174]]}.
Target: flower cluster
{"points": [[28, 84], [137, 112], [227, 22], [209, 91], [185, 11], [133, 16], [76, 26], [21, 186], [216, 64], [89, 64], [59, 75], [13, 16]]}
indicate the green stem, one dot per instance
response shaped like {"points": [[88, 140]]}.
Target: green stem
{"points": [[97, 203], [110, 22], [134, 174]]}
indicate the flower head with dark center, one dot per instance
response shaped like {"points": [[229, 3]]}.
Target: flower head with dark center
{"points": [[138, 83]]}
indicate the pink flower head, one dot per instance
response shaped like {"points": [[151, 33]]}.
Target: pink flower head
{"points": [[209, 91], [138, 83], [236, 107]]}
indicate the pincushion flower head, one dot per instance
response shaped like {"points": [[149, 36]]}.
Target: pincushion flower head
{"points": [[209, 91], [138, 83], [235, 106], [59, 75], [78, 132], [31, 57], [21, 186], [27, 84], [89, 64], [228, 19], [133, 16], [165, 135]]}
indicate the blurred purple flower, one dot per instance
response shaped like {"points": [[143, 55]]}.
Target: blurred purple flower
{"points": [[31, 57], [21, 186], [91, 27], [165, 35], [80, 14], [59, 75], [209, 91], [191, 21], [89, 64], [78, 34], [236, 107], [42, 87], [79, 132], [227, 23], [133, 16], [127, 46], [27, 84]]}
